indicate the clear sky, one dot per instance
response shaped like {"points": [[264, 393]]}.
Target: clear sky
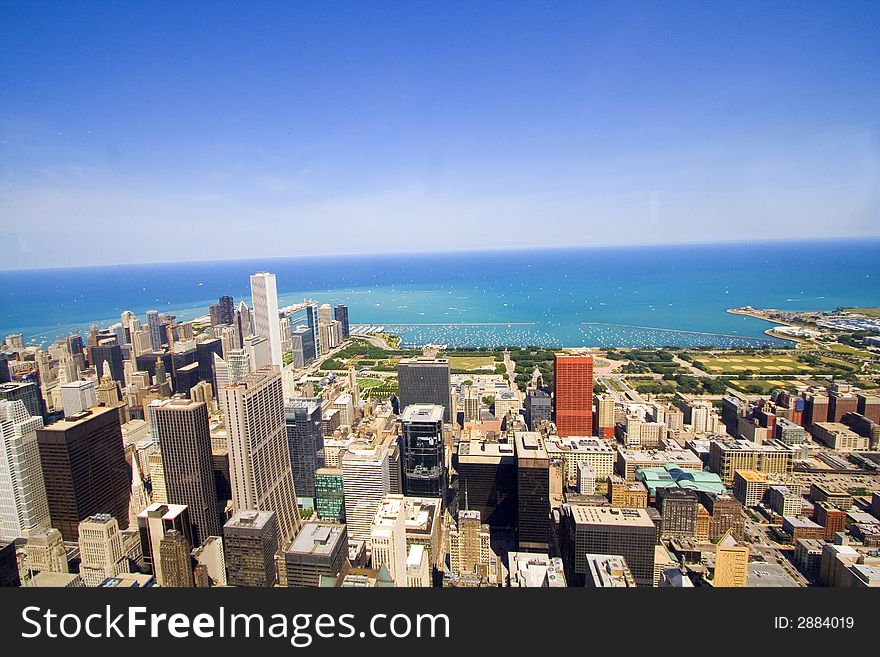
{"points": [[167, 131]]}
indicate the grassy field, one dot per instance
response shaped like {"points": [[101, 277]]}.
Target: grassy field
{"points": [[766, 385], [870, 312], [739, 363], [471, 362], [366, 384]]}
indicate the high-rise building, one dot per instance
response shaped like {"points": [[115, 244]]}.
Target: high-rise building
{"points": [[174, 553], [470, 552], [154, 523], [678, 508], [26, 391], [108, 353], [302, 344], [424, 456], [305, 440], [264, 293], [182, 429], [259, 455], [329, 495], [250, 542], [157, 338], [487, 478], [77, 396], [100, 549], [608, 571], [573, 395], [366, 476], [731, 563], [340, 314], [425, 381], [533, 492], [84, 458], [388, 538], [539, 408], [605, 416], [23, 503], [629, 533], [320, 549], [8, 565]]}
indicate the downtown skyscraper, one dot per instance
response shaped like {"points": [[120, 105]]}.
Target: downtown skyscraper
{"points": [[23, 503], [184, 435], [264, 293], [573, 395], [259, 456]]}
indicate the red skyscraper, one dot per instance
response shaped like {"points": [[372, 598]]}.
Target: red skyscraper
{"points": [[573, 393]]}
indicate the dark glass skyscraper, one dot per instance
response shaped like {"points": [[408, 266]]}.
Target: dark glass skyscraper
{"points": [[184, 435], [340, 313], [425, 381], [424, 464], [305, 439], [85, 469], [112, 354]]}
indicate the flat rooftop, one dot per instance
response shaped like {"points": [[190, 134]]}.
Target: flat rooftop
{"points": [[596, 515], [249, 520], [317, 538], [422, 413]]}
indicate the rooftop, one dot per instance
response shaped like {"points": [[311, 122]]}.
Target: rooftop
{"points": [[318, 538], [595, 515], [422, 413]]}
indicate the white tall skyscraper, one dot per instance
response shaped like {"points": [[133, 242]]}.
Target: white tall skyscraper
{"points": [[23, 503], [259, 456], [388, 538], [366, 479], [265, 298]]}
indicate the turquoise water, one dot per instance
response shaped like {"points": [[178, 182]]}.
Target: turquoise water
{"points": [[603, 296]]}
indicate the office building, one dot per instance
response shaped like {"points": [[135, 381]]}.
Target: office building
{"points": [[605, 416], [487, 479], [305, 440], [629, 533], [340, 314], [184, 435], [174, 553], [424, 455], [154, 523], [9, 576], [539, 408], [266, 321], [678, 509], [470, 551], [869, 406], [366, 475], [731, 563], [533, 492], [259, 455], [608, 571], [84, 458], [575, 450], [329, 494], [24, 506], [100, 549], [749, 487], [320, 549], [27, 392], [388, 538], [832, 519], [728, 456], [573, 395], [840, 437], [78, 396], [250, 541], [425, 381], [623, 494]]}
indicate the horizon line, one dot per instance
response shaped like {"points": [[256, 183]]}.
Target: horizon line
{"points": [[454, 251]]}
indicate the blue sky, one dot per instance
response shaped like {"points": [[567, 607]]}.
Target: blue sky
{"points": [[144, 132]]}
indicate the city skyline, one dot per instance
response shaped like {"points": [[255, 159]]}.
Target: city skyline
{"points": [[286, 120]]}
